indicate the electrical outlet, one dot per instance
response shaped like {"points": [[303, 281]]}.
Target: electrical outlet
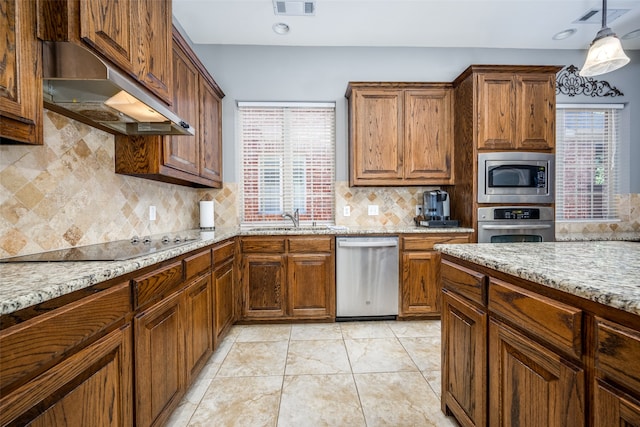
{"points": [[418, 210], [372, 210], [346, 211], [152, 213]]}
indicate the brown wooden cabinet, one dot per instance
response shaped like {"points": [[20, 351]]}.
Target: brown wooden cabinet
{"points": [[160, 360], [400, 133], [173, 330], [617, 376], [135, 35], [464, 345], [20, 74], [199, 324], [516, 111], [186, 160], [531, 385], [71, 365], [288, 278], [223, 288], [518, 353], [420, 267]]}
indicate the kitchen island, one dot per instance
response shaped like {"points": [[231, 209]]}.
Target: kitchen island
{"points": [[541, 333]]}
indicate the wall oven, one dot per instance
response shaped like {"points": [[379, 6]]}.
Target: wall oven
{"points": [[515, 177], [511, 224]]}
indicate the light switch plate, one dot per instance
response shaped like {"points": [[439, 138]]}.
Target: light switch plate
{"points": [[418, 210], [152, 213], [372, 210], [346, 211]]}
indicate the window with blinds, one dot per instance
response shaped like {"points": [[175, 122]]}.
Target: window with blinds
{"points": [[587, 145], [287, 161]]}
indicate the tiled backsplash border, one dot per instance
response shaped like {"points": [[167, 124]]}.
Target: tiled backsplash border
{"points": [[65, 193]]}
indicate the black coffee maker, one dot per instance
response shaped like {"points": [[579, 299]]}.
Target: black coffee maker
{"points": [[436, 209]]}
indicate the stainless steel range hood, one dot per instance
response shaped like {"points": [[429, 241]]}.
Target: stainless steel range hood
{"points": [[77, 81]]}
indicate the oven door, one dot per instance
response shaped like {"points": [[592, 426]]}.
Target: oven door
{"points": [[515, 231]]}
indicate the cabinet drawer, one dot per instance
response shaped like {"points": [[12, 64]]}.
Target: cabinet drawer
{"points": [[618, 353], [310, 244], [552, 321], [426, 242], [196, 264], [157, 283], [38, 341], [265, 244], [223, 252], [467, 283]]}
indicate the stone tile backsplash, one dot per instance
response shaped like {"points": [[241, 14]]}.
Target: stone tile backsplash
{"points": [[65, 193]]}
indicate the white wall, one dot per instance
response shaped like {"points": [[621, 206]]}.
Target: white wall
{"points": [[270, 73]]}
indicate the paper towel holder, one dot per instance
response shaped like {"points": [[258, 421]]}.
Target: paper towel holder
{"points": [[206, 215]]}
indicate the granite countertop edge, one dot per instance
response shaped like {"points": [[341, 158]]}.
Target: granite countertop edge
{"points": [[606, 272], [27, 284]]}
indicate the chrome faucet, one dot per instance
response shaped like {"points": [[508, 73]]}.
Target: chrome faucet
{"points": [[295, 217]]}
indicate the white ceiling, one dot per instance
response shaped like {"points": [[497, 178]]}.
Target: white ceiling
{"points": [[528, 24]]}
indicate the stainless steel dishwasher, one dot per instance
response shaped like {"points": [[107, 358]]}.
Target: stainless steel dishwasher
{"points": [[366, 277]]}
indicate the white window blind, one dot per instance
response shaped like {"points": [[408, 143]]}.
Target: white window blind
{"points": [[287, 161], [587, 146]]}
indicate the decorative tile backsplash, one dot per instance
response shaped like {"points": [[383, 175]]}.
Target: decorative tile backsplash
{"points": [[66, 193]]}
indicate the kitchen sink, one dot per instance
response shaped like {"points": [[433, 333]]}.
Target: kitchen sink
{"points": [[290, 228]]}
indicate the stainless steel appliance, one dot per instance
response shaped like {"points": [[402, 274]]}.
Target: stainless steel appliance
{"points": [[515, 177], [509, 224], [366, 277], [436, 207]]}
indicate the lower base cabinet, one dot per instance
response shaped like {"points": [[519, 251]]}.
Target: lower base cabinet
{"points": [[199, 325], [224, 299], [91, 388], [531, 385], [159, 362], [464, 349]]}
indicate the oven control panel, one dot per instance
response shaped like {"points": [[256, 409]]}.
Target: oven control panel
{"points": [[519, 213]]}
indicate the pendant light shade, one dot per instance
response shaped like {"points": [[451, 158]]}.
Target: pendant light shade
{"points": [[605, 53]]}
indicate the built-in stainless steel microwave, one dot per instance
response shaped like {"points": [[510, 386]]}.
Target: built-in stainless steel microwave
{"points": [[515, 177]]}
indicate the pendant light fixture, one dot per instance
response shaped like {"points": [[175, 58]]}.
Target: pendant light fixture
{"points": [[605, 53]]}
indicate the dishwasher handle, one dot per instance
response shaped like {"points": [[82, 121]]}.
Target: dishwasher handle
{"points": [[367, 244]]}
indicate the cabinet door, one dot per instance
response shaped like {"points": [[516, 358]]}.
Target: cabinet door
{"points": [[420, 283], [376, 137], [464, 363], [613, 408], [224, 301], [531, 385], [159, 362], [91, 388], [311, 285], [106, 25], [536, 113], [496, 111], [210, 134], [263, 281], [199, 325], [428, 136], [20, 74], [153, 60], [182, 152]]}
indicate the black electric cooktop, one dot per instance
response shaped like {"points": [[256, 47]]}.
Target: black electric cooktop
{"points": [[112, 251]]}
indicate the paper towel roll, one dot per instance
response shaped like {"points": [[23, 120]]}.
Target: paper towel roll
{"points": [[206, 214]]}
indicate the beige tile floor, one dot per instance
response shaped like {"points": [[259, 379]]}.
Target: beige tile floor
{"points": [[333, 374]]}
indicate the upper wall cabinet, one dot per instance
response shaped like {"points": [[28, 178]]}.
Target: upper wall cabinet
{"points": [[186, 160], [514, 106], [133, 34], [400, 134], [20, 74]]}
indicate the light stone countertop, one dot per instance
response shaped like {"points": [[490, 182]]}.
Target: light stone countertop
{"points": [[26, 284], [607, 272]]}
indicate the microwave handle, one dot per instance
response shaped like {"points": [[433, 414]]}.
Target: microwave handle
{"points": [[517, 227]]}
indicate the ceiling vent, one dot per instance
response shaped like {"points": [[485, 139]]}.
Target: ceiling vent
{"points": [[294, 8], [594, 16]]}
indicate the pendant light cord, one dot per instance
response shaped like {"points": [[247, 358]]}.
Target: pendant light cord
{"points": [[604, 13]]}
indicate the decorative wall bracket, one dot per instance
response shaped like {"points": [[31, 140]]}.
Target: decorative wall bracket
{"points": [[569, 82]]}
